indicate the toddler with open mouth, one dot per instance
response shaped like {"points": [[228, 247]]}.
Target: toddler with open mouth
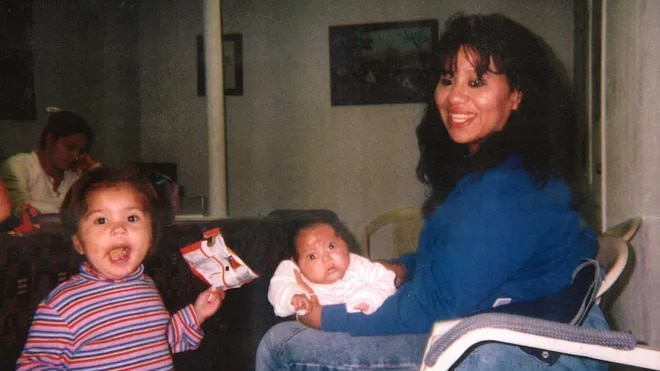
{"points": [[110, 315]]}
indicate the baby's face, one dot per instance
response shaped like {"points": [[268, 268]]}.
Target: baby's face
{"points": [[115, 232], [323, 257]]}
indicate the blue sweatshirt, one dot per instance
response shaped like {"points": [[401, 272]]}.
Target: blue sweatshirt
{"points": [[496, 236]]}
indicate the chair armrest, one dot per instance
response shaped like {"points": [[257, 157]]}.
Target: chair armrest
{"points": [[450, 339]]}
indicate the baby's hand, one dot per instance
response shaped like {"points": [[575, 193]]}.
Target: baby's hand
{"points": [[301, 302], [363, 307], [208, 302]]}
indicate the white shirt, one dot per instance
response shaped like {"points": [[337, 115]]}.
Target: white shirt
{"points": [[27, 182], [363, 282]]}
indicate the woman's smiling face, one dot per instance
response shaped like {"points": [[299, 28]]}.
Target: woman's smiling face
{"points": [[473, 107], [115, 233]]}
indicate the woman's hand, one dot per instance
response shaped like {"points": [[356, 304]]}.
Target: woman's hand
{"points": [[208, 302], [398, 269], [84, 162], [313, 317]]}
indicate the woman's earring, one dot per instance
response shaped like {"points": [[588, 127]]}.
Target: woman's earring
{"points": [[517, 100]]}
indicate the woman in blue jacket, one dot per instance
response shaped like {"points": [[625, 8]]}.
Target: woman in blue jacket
{"points": [[498, 153]]}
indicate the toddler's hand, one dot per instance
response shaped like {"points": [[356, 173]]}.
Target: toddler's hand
{"points": [[301, 302], [208, 302]]}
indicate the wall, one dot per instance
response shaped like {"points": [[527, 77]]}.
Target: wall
{"points": [[632, 150], [289, 148], [172, 116]]}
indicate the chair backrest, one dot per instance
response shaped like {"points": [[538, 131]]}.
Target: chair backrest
{"points": [[406, 223], [626, 229], [612, 256]]}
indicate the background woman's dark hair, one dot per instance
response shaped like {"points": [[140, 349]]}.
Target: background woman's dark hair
{"points": [[63, 124], [542, 130], [75, 205]]}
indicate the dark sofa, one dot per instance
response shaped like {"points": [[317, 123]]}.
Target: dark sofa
{"points": [[31, 265]]}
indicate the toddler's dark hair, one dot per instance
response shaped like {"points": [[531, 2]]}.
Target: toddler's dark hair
{"points": [[75, 204]]}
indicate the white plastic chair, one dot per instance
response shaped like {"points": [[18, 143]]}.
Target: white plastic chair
{"points": [[615, 261], [449, 340], [626, 229], [406, 223], [612, 256]]}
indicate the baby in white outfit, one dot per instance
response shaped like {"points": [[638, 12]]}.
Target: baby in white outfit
{"points": [[321, 256]]}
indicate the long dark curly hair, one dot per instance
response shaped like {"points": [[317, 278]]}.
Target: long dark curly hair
{"points": [[542, 131]]}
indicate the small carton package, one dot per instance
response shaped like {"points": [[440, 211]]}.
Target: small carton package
{"points": [[212, 261]]}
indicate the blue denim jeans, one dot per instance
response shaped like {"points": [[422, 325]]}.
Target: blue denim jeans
{"points": [[292, 346]]}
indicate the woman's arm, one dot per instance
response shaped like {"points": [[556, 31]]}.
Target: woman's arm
{"points": [[15, 178], [480, 237], [5, 202]]}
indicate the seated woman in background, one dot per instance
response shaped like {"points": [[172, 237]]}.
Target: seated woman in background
{"points": [[41, 178]]}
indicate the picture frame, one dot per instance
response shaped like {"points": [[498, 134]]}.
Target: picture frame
{"points": [[381, 63], [232, 59]]}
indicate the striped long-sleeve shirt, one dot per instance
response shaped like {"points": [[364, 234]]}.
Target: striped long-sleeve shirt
{"points": [[92, 323]]}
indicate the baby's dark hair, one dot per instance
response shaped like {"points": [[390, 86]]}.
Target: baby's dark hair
{"points": [[75, 204], [63, 124], [340, 231]]}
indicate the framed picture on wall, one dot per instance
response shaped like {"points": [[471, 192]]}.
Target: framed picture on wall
{"points": [[381, 63], [232, 59]]}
